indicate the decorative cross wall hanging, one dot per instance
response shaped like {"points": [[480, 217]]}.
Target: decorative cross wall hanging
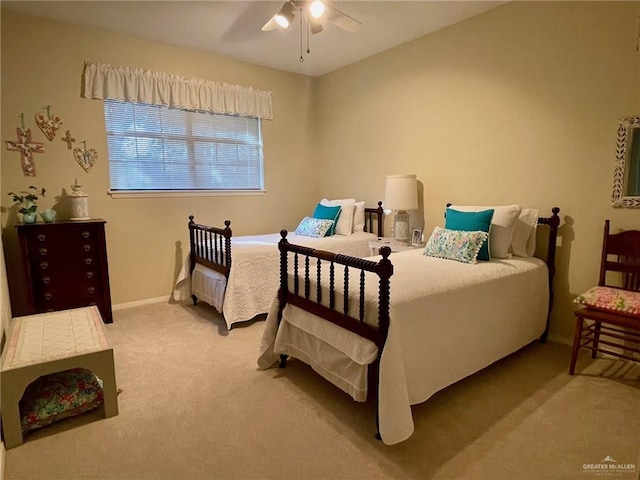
{"points": [[68, 139], [49, 124], [27, 148]]}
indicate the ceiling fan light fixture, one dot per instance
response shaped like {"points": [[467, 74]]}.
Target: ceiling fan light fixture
{"points": [[317, 8], [315, 25], [284, 17]]}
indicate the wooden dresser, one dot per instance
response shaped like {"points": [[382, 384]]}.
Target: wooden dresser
{"points": [[65, 266]]}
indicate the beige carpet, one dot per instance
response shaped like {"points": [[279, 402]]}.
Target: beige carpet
{"points": [[194, 406]]}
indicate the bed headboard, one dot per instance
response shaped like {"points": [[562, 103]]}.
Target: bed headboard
{"points": [[210, 246], [374, 218]]}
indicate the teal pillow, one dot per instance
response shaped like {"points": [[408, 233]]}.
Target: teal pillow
{"points": [[324, 212], [471, 222]]}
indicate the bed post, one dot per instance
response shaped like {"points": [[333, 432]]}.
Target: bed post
{"points": [[553, 221], [227, 245], [380, 220], [192, 244], [385, 270], [284, 284]]}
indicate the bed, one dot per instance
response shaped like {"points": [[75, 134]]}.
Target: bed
{"points": [[402, 323], [238, 276]]}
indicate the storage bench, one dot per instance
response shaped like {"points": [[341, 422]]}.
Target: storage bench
{"points": [[53, 342]]}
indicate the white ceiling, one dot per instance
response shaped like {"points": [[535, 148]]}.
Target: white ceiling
{"points": [[232, 28]]}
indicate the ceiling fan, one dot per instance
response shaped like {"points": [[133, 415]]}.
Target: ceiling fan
{"points": [[317, 13]]}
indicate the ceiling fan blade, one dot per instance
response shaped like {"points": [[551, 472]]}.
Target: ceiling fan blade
{"points": [[343, 20], [271, 24]]}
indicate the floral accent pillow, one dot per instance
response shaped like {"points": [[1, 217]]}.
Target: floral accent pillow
{"points": [[59, 395], [612, 300], [314, 227], [459, 245]]}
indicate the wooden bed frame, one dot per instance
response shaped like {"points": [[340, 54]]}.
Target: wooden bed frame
{"points": [[384, 269], [211, 246]]}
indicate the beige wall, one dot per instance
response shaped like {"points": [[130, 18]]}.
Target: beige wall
{"points": [[518, 105], [42, 63]]}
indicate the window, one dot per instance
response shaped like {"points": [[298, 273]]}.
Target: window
{"points": [[157, 148]]}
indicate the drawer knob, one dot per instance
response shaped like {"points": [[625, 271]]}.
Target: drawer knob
{"points": [[89, 274], [48, 296], [43, 251], [88, 261], [86, 234], [91, 289], [46, 280], [41, 237], [87, 248], [44, 265]]}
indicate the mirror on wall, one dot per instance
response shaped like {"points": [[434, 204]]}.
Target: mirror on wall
{"points": [[626, 180]]}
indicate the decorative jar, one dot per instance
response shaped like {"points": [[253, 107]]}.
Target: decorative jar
{"points": [[79, 203]]}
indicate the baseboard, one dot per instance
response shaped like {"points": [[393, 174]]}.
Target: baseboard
{"points": [[147, 301]]}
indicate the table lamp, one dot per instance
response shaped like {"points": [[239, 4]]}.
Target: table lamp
{"points": [[400, 195]]}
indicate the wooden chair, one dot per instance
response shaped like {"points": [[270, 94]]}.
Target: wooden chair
{"points": [[597, 328]]}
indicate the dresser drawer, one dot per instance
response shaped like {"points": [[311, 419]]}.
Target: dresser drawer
{"points": [[67, 265], [59, 286], [78, 239]]}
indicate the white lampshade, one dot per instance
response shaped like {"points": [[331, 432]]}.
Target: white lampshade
{"points": [[401, 192]]}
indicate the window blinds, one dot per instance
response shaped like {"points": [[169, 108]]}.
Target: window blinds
{"points": [[159, 148]]}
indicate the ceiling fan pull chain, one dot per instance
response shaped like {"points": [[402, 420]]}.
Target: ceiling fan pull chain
{"points": [[301, 57], [308, 35]]}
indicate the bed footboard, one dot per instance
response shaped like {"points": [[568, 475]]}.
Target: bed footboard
{"points": [[345, 316], [210, 246]]}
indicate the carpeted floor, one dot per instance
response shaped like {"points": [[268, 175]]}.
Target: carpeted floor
{"points": [[194, 406]]}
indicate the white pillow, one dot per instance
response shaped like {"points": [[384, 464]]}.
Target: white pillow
{"points": [[358, 217], [524, 233], [502, 226], [345, 220]]}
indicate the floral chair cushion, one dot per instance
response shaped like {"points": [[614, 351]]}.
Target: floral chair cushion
{"points": [[612, 300], [59, 395]]}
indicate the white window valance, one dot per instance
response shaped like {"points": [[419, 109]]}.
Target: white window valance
{"points": [[102, 81]]}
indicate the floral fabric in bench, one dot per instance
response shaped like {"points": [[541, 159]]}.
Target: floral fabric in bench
{"points": [[59, 395]]}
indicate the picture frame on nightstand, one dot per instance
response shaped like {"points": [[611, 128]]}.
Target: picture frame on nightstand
{"points": [[416, 237]]}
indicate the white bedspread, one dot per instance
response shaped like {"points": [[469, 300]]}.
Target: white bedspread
{"points": [[255, 270], [448, 320]]}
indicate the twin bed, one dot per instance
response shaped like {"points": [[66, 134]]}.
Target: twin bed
{"points": [[239, 276], [406, 325]]}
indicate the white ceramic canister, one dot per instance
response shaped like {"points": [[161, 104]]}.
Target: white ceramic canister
{"points": [[79, 203]]}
